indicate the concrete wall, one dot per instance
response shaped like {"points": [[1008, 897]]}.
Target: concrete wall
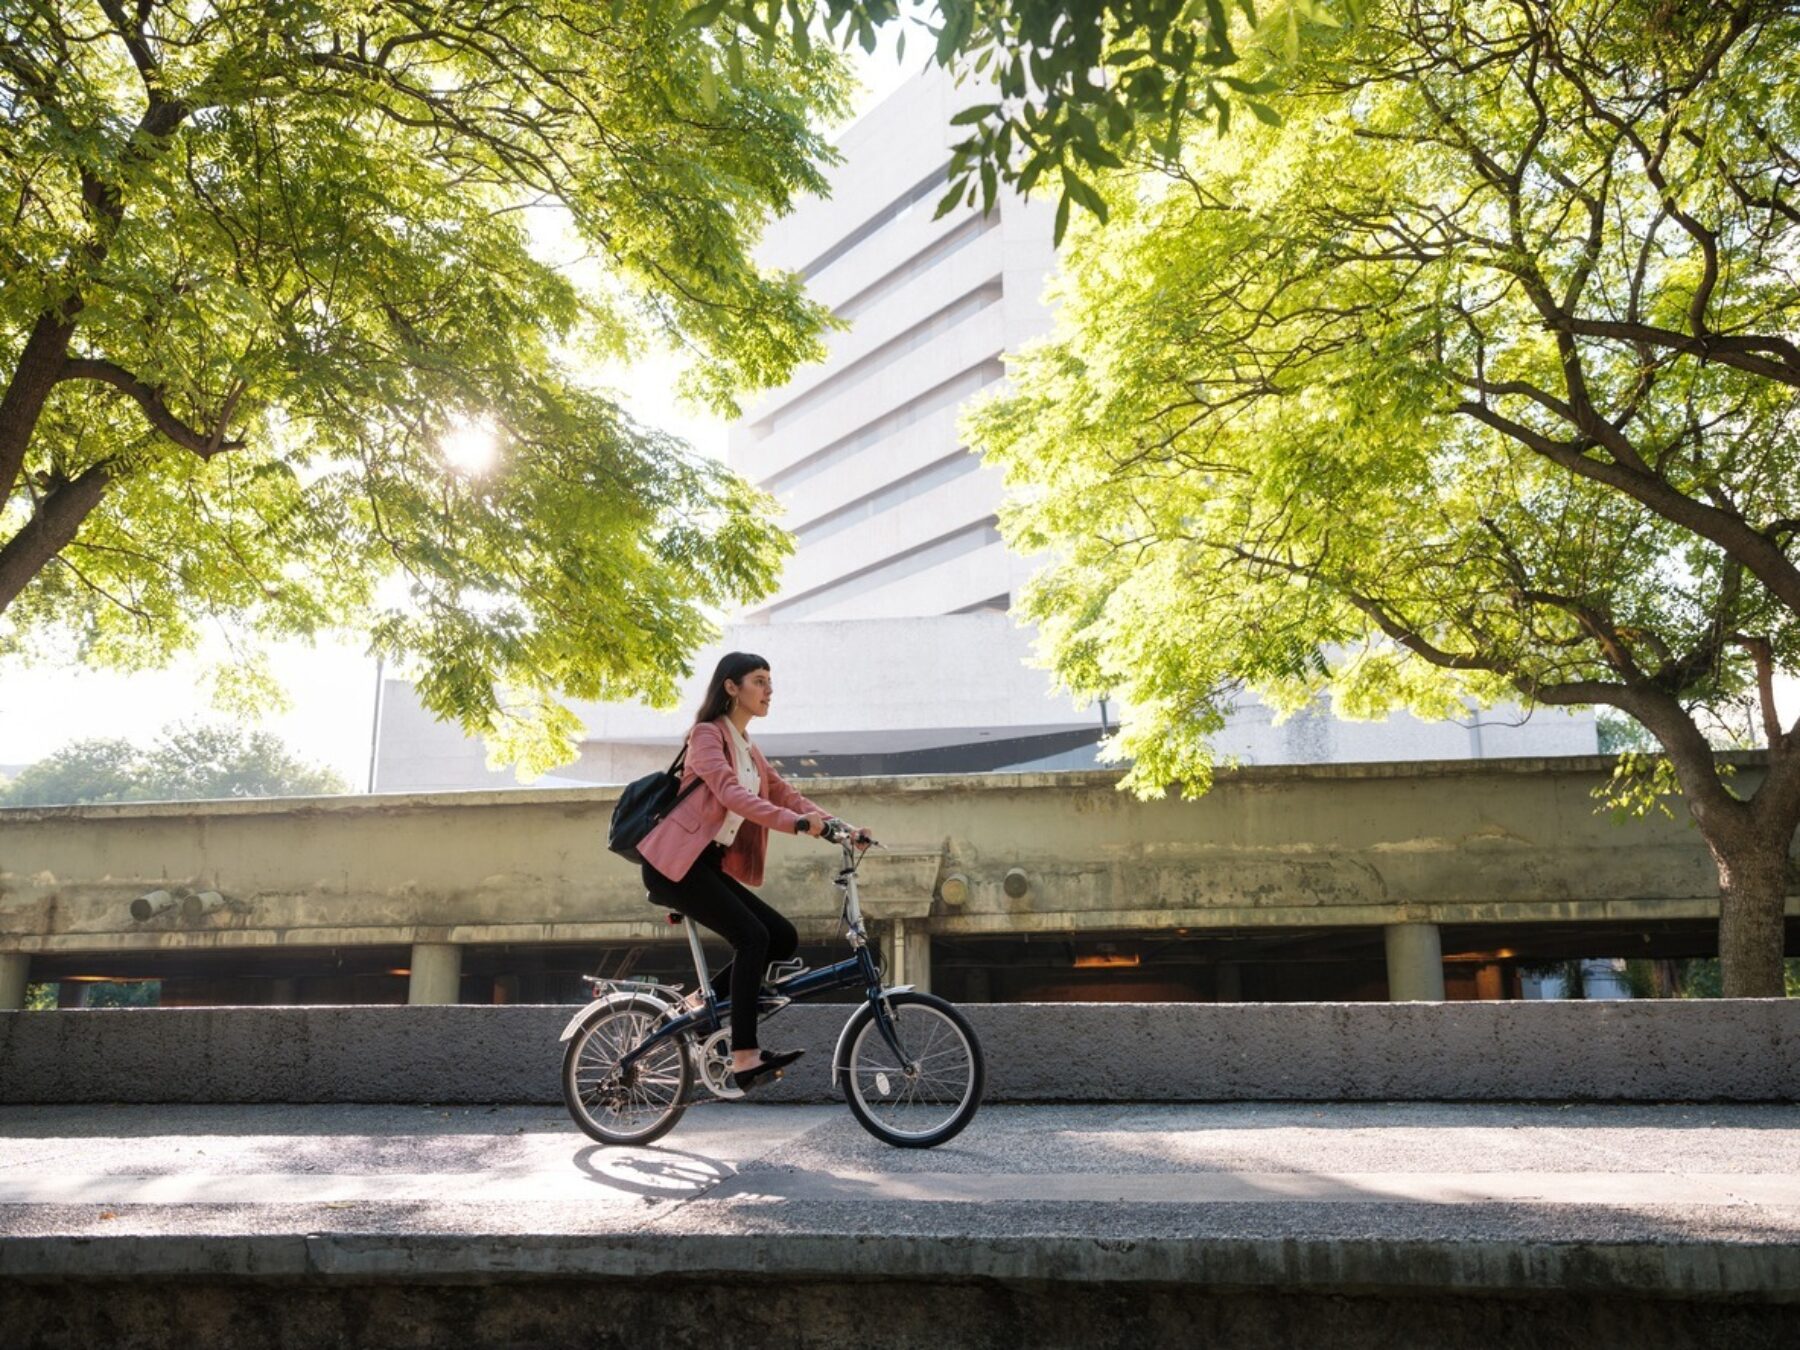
{"points": [[1746, 1050], [1301, 847], [1290, 847]]}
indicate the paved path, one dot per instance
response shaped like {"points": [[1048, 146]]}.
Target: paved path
{"points": [[1556, 1172], [1067, 1226]]}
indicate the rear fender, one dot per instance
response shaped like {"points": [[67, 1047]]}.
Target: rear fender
{"points": [[604, 1001]]}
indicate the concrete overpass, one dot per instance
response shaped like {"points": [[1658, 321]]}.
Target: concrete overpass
{"points": [[1414, 865]]}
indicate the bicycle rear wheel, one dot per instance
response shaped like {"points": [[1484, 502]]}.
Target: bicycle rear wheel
{"points": [[637, 1107], [934, 1095]]}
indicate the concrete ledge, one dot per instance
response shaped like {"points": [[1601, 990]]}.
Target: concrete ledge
{"points": [[1677, 1050], [1686, 1269]]}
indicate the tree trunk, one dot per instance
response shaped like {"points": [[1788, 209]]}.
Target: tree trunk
{"points": [[40, 367], [58, 519], [1753, 886]]}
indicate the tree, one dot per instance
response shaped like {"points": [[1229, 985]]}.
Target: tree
{"points": [[1077, 84], [185, 764], [1471, 376], [267, 268], [95, 770]]}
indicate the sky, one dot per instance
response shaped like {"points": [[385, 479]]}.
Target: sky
{"points": [[331, 686]]}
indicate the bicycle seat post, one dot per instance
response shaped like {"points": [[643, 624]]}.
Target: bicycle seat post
{"points": [[700, 971]]}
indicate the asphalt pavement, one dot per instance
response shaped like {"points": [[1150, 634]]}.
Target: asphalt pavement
{"points": [[1668, 1174]]}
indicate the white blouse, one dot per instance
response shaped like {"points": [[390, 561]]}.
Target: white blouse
{"points": [[747, 775]]}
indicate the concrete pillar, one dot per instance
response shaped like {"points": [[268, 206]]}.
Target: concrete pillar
{"points": [[436, 973], [893, 952], [918, 958], [15, 973], [1415, 963]]}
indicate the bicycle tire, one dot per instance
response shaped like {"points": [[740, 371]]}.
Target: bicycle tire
{"points": [[869, 1057], [623, 1025]]}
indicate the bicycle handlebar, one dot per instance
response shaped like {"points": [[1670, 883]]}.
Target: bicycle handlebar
{"points": [[837, 831]]}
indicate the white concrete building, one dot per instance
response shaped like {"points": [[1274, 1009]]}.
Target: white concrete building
{"points": [[888, 639], [893, 515]]}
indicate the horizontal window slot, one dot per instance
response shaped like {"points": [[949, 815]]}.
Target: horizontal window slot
{"points": [[918, 265], [894, 210], [953, 391], [894, 349], [886, 498], [889, 570]]}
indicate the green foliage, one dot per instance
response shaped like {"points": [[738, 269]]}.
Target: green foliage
{"points": [[1701, 977], [1079, 88], [123, 994], [100, 994], [185, 764], [272, 256], [1619, 733], [1421, 394], [98, 770]]}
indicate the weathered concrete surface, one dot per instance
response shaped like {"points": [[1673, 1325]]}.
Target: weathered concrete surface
{"points": [[1495, 841], [1375, 1225], [1671, 1050]]}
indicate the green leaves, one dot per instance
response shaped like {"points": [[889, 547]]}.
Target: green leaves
{"points": [[187, 763], [366, 225], [1303, 425], [1169, 63]]}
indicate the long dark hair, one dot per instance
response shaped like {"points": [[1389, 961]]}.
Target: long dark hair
{"points": [[733, 666]]}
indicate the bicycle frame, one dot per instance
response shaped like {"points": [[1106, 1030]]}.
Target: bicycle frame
{"points": [[860, 968]]}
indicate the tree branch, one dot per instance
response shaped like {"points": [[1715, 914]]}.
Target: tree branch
{"points": [[206, 445], [1762, 656], [1762, 555]]}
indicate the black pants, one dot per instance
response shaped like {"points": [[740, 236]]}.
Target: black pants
{"points": [[757, 934]]}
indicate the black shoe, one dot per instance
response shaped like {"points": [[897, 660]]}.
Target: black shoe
{"points": [[773, 1062]]}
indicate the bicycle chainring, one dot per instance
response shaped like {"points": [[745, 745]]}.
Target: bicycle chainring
{"points": [[713, 1059]]}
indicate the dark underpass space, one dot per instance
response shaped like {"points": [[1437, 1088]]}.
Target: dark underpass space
{"points": [[1182, 965]]}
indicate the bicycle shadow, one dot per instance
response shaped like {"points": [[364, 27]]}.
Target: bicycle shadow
{"points": [[661, 1173]]}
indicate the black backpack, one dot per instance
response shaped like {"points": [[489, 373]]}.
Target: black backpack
{"points": [[643, 804]]}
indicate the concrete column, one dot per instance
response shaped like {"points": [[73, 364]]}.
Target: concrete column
{"points": [[15, 973], [1415, 963], [918, 958], [893, 952], [436, 973]]}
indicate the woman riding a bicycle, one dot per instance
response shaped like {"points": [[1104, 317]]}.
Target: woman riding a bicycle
{"points": [[702, 859]]}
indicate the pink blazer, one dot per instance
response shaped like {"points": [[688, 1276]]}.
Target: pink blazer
{"points": [[682, 835]]}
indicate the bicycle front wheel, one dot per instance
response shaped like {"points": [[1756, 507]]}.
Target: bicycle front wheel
{"points": [[635, 1107], [931, 1095]]}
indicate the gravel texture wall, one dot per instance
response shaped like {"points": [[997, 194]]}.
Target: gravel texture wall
{"points": [[1723, 1050]]}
